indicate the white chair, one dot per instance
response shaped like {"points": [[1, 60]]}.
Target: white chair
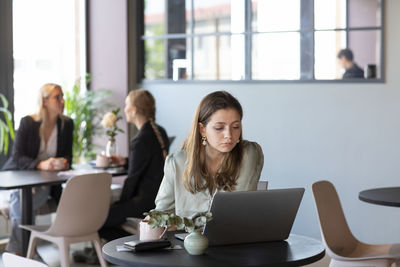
{"points": [[12, 260], [82, 210], [343, 248], [4, 212]]}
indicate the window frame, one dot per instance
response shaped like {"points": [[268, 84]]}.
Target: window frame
{"points": [[306, 62]]}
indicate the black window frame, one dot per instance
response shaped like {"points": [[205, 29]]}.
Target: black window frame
{"points": [[307, 40]]}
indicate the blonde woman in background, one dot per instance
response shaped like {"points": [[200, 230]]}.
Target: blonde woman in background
{"points": [[43, 142], [214, 157]]}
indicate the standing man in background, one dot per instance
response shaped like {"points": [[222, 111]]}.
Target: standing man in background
{"points": [[347, 60]]}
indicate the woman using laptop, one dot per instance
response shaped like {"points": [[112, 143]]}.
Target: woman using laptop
{"points": [[214, 157]]}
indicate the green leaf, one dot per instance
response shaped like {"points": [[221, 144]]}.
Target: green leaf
{"points": [[85, 108], [164, 217], [2, 130], [189, 229], [6, 126], [5, 141], [115, 111], [153, 223], [4, 100], [167, 218], [10, 126]]}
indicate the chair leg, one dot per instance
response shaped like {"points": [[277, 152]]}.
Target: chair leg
{"points": [[32, 246], [63, 246], [97, 246]]}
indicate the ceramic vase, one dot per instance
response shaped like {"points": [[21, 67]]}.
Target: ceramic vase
{"points": [[111, 148], [195, 243]]}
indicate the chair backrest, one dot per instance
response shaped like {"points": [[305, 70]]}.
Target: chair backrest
{"points": [[12, 260], [335, 232], [83, 206], [171, 139]]}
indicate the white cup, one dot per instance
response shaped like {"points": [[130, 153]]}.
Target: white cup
{"points": [[148, 233], [102, 161], [58, 164]]}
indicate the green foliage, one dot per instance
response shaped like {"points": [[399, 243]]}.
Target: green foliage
{"points": [[154, 54], [85, 107], [6, 126], [167, 218]]}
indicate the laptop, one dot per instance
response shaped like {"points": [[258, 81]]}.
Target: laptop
{"points": [[252, 216]]}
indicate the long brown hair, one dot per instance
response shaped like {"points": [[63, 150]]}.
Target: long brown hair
{"points": [[145, 105], [196, 177]]}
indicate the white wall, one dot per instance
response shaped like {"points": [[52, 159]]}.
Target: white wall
{"points": [[108, 56], [347, 133]]}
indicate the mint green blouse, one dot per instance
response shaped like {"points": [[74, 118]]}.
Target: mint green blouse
{"points": [[173, 195]]}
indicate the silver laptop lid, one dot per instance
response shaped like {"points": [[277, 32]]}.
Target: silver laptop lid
{"points": [[252, 216]]}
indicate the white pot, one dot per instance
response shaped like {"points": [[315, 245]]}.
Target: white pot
{"points": [[195, 243]]}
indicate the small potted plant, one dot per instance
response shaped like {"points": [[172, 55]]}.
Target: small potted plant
{"points": [[195, 243]]}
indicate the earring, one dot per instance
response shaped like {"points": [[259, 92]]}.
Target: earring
{"points": [[238, 141], [204, 141]]}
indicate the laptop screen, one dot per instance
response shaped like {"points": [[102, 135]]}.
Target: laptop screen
{"points": [[252, 216]]}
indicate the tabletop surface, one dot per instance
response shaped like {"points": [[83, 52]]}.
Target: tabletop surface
{"points": [[295, 251], [387, 196], [20, 179]]}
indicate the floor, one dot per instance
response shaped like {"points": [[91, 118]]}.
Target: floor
{"points": [[50, 255], [49, 252]]}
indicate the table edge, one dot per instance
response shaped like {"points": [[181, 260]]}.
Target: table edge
{"points": [[300, 262], [377, 202]]}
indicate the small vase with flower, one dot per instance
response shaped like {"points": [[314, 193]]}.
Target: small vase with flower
{"points": [[109, 122]]}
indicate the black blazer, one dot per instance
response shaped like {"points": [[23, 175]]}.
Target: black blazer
{"points": [[145, 167], [27, 144]]}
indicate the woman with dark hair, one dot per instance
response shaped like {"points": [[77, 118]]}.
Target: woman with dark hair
{"points": [[43, 142], [214, 157], [147, 153]]}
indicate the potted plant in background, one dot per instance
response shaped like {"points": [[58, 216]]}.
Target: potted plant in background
{"points": [[109, 122], [195, 243], [85, 107], [6, 126]]}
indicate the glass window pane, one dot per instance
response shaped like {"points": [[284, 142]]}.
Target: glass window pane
{"points": [[327, 46], [44, 39], [219, 57], [275, 15], [276, 56], [330, 14], [178, 65], [166, 59], [364, 13], [366, 49], [213, 15], [156, 12], [154, 17], [155, 59]]}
